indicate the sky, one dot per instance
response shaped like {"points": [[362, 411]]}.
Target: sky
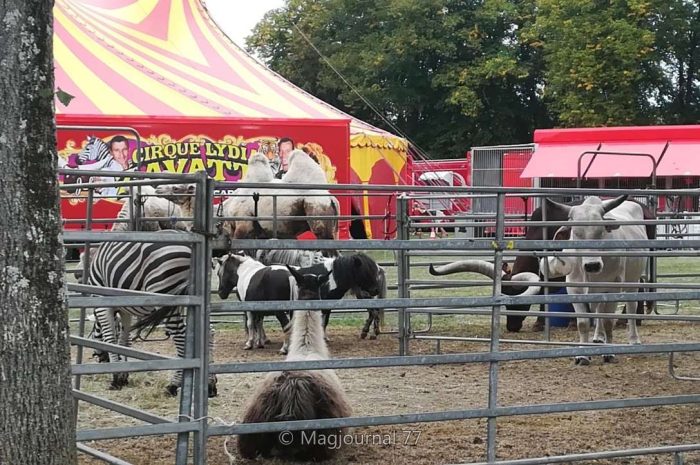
{"points": [[237, 18]]}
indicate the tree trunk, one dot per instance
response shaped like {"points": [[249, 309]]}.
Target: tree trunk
{"points": [[37, 420]]}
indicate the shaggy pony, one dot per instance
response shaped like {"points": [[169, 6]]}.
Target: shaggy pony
{"points": [[290, 202], [298, 395]]}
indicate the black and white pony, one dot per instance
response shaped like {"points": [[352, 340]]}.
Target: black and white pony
{"points": [[142, 266], [254, 281], [356, 273], [298, 395]]}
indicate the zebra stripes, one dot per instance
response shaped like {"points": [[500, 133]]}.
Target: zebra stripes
{"points": [[151, 267], [95, 150]]}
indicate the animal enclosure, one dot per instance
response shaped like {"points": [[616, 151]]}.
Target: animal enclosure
{"points": [[443, 383]]}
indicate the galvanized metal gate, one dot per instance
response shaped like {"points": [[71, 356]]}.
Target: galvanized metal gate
{"points": [[500, 166], [194, 403]]}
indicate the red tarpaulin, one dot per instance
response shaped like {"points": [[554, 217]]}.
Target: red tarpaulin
{"points": [[674, 149]]}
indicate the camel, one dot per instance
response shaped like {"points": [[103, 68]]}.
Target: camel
{"points": [[290, 202]]}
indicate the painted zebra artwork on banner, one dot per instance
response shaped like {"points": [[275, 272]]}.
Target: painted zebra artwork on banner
{"points": [[150, 267]]}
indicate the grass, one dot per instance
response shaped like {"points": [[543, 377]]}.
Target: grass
{"points": [[419, 271]]}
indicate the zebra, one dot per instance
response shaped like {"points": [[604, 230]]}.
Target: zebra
{"points": [[97, 151], [151, 207], [150, 267], [94, 156]]}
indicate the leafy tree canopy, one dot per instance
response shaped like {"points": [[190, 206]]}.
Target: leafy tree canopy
{"points": [[451, 74]]}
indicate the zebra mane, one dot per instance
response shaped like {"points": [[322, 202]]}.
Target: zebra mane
{"points": [[300, 258]]}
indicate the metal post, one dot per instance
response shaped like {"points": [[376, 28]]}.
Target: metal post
{"points": [[678, 458], [402, 271], [84, 280], [188, 389], [274, 216], [495, 329], [132, 207], [185, 408], [545, 274], [202, 285]]}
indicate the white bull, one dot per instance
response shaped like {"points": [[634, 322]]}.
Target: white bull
{"points": [[594, 268]]}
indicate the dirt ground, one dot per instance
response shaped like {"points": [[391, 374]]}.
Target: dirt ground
{"points": [[445, 387]]}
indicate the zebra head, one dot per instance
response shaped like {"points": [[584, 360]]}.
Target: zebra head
{"points": [[95, 151]]}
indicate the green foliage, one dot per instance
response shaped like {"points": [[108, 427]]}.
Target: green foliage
{"points": [[451, 74], [64, 97], [596, 54]]}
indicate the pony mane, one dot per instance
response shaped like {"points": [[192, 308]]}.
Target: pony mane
{"points": [[356, 270], [300, 258]]}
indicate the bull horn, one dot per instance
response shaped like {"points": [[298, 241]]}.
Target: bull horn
{"points": [[472, 266], [612, 204], [528, 277], [553, 206]]}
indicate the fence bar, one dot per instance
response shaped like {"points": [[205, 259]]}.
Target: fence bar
{"points": [[462, 302], [451, 415], [468, 191], [118, 349], [596, 455], [535, 342], [108, 291], [180, 237], [135, 430], [477, 357], [202, 287], [672, 370], [403, 270], [491, 422], [442, 283], [83, 279], [119, 408], [527, 313], [146, 365], [103, 456], [159, 300], [429, 245]]}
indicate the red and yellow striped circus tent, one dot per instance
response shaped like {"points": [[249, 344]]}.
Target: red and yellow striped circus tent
{"points": [[133, 62]]}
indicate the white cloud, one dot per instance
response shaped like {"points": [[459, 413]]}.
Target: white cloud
{"points": [[237, 18]]}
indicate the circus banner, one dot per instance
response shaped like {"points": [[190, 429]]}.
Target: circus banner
{"points": [[224, 159], [218, 148]]}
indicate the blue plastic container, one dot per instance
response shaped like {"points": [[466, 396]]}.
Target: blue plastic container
{"points": [[560, 322]]}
